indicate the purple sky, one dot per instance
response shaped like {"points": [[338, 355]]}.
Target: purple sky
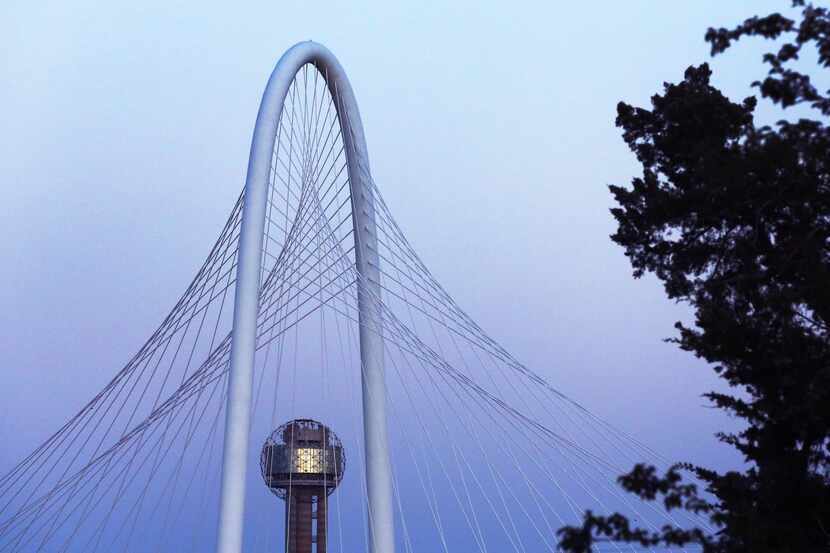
{"points": [[490, 129]]}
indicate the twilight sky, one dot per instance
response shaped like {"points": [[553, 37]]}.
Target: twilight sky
{"points": [[491, 132]]}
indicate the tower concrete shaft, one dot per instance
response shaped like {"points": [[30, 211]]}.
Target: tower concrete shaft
{"points": [[306, 520]]}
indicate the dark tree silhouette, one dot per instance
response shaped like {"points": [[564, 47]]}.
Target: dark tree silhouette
{"points": [[734, 219]]}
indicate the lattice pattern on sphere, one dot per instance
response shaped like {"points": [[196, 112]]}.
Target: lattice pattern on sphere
{"points": [[286, 460]]}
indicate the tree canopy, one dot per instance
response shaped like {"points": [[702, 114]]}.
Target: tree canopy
{"points": [[734, 219]]}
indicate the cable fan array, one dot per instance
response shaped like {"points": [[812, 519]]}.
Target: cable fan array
{"points": [[487, 456]]}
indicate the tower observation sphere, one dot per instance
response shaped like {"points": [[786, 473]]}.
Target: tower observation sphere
{"points": [[302, 462]]}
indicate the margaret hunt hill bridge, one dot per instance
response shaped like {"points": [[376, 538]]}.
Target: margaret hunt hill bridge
{"points": [[313, 307]]}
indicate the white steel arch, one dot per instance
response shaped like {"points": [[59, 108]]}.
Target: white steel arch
{"points": [[235, 459]]}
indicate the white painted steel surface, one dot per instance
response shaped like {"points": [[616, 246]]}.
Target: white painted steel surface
{"points": [[234, 468]]}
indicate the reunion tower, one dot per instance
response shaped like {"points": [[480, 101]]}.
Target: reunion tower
{"points": [[302, 462]]}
